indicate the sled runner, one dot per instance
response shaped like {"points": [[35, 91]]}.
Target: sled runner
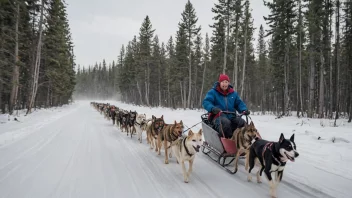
{"points": [[224, 149]]}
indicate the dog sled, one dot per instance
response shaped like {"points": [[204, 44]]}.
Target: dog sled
{"points": [[224, 149]]}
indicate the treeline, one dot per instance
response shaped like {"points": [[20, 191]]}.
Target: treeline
{"points": [[36, 55], [302, 63]]}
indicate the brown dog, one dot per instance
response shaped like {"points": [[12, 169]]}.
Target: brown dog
{"points": [[154, 127], [169, 133], [243, 138]]}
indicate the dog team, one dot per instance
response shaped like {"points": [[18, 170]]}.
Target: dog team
{"points": [[170, 137], [270, 156]]}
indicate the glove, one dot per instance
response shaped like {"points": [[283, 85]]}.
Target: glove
{"points": [[215, 110], [246, 112]]}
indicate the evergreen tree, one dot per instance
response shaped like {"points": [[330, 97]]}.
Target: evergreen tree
{"points": [[189, 24]]}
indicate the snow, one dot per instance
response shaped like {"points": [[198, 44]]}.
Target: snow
{"points": [[72, 151]]}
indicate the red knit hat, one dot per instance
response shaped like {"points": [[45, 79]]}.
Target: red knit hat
{"points": [[223, 77]]}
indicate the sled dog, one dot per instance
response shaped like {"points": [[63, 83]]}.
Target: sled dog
{"points": [[169, 133], [153, 129], [243, 138], [272, 157], [140, 125], [185, 149]]}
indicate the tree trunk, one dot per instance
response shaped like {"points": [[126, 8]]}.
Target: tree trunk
{"points": [[311, 79], [337, 59], [226, 42], [202, 88], [34, 88], [194, 98], [244, 57], [147, 74], [182, 97], [189, 73], [47, 104], [15, 73], [235, 66], [140, 93], [168, 92], [159, 85], [300, 59], [287, 78], [331, 98], [185, 93], [321, 83]]}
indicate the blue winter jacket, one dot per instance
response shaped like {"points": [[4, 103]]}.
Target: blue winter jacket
{"points": [[226, 102]]}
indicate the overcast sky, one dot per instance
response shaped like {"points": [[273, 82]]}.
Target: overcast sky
{"points": [[100, 27]]}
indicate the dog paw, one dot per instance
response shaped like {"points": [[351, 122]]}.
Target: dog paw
{"points": [[166, 161], [249, 178], [259, 181], [186, 180]]}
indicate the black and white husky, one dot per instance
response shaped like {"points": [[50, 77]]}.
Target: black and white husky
{"points": [[272, 157]]}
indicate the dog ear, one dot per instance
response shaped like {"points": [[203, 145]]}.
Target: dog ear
{"points": [[292, 138], [252, 124], [175, 122], [153, 117], [245, 125], [281, 138], [190, 132], [200, 132], [162, 117], [181, 122]]}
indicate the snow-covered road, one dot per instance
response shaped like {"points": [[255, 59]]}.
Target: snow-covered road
{"points": [[78, 153]]}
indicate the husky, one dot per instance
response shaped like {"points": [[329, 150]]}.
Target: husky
{"points": [[272, 157], [243, 138], [124, 121], [169, 134], [154, 127], [185, 149], [131, 121], [140, 125]]}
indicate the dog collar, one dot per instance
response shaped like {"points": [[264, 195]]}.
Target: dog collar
{"points": [[184, 145]]}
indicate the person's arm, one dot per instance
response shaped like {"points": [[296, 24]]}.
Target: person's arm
{"points": [[208, 102], [240, 106]]}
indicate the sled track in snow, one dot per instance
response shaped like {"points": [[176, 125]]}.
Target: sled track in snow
{"points": [[82, 155]]}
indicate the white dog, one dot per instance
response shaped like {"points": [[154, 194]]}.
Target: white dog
{"points": [[141, 125], [185, 149]]}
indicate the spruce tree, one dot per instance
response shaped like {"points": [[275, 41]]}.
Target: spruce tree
{"points": [[189, 24]]}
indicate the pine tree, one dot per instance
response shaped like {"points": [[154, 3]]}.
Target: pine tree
{"points": [[281, 29], [146, 35], [224, 10], [181, 60], [206, 58], [188, 23], [217, 50], [262, 64]]}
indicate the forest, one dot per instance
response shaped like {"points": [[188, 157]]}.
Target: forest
{"points": [[302, 63], [37, 67]]}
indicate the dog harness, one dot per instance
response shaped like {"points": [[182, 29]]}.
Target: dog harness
{"points": [[269, 146]]}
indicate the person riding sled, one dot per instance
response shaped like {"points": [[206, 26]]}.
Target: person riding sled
{"points": [[222, 97]]}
